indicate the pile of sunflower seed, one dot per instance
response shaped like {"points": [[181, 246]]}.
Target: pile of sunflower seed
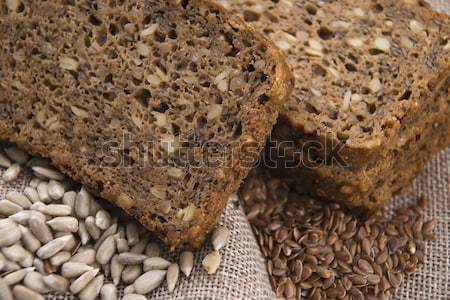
{"points": [[57, 238], [318, 251]]}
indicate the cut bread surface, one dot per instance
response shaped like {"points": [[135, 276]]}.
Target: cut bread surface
{"points": [[149, 104]]}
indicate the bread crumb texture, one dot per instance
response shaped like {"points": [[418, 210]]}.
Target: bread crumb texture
{"points": [[138, 99]]}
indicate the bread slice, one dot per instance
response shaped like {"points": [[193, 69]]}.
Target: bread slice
{"points": [[158, 106], [372, 187], [366, 77]]}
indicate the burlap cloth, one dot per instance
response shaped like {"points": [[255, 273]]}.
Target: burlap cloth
{"points": [[242, 274]]}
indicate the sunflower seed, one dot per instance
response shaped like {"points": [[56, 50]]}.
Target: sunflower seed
{"points": [[108, 232], [106, 250], [172, 277], [56, 283], [9, 232], [60, 258], [22, 292], [55, 189], [8, 208], [74, 269], [129, 289], [134, 297], [82, 203], [39, 266], [64, 224], [83, 233], [36, 206], [211, 262], [19, 199], [220, 237], [5, 291], [103, 219], [71, 244], [23, 217], [16, 276], [69, 199], [16, 154], [132, 233], [39, 229], [129, 258], [94, 207], [149, 281], [152, 250], [108, 292], [186, 262], [15, 253], [122, 245], [130, 273], [27, 261], [59, 234], [42, 190], [52, 247], [140, 246], [91, 228], [10, 266], [81, 282], [156, 263], [34, 182], [4, 161], [84, 255], [11, 173], [56, 210], [48, 173], [31, 194], [92, 290], [35, 281], [116, 269]]}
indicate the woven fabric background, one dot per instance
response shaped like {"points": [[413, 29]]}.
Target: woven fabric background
{"points": [[242, 274]]}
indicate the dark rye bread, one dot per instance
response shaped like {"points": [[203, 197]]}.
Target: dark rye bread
{"points": [[366, 79], [158, 106], [372, 187]]}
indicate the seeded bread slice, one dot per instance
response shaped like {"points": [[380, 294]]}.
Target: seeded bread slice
{"points": [[366, 75], [373, 186], [158, 106]]}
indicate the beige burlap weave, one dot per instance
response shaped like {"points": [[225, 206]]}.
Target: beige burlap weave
{"points": [[242, 274]]}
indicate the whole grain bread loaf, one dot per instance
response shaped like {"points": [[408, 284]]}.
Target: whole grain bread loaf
{"points": [[158, 106], [361, 117]]}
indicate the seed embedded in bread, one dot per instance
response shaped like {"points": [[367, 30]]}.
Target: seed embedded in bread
{"points": [[383, 44]]}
